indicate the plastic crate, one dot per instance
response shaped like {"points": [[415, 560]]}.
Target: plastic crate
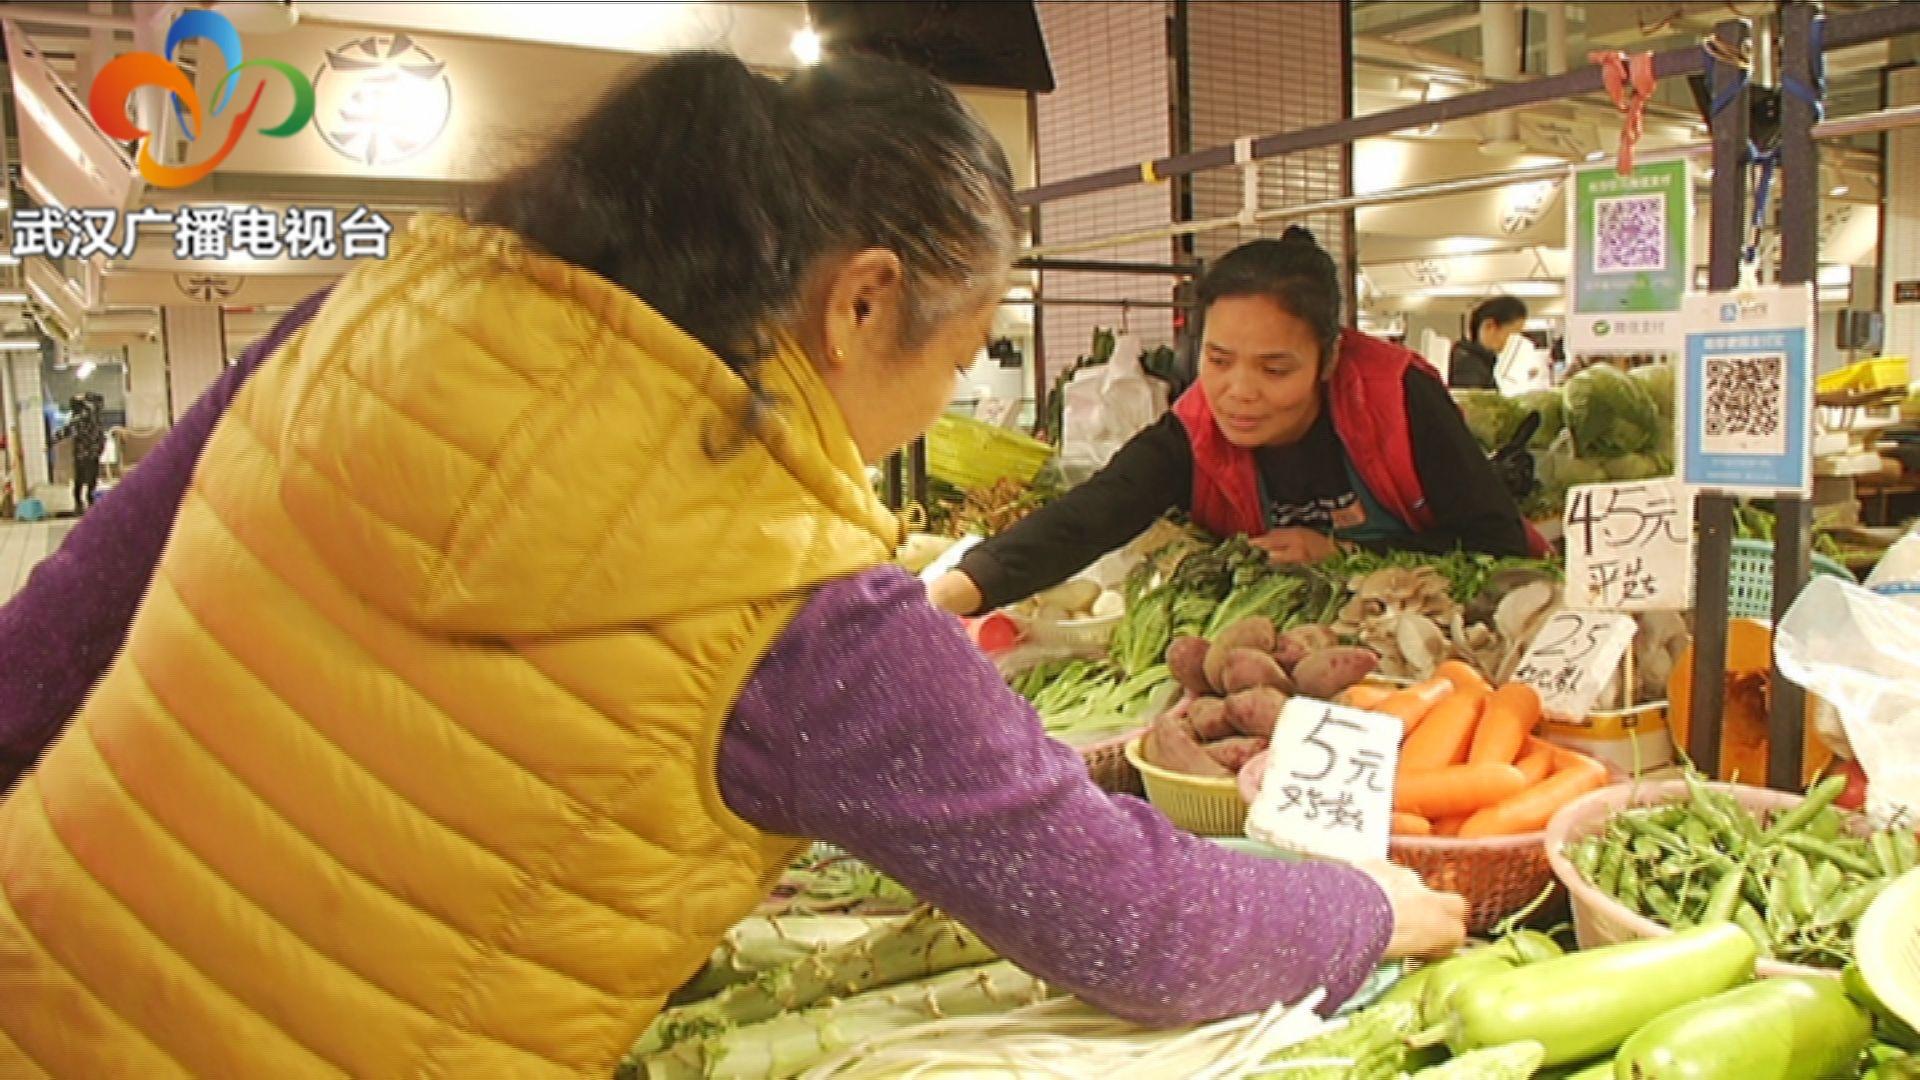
{"points": [[1866, 376], [1750, 578]]}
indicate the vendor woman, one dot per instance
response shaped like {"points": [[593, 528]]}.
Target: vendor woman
{"points": [[1304, 436]]}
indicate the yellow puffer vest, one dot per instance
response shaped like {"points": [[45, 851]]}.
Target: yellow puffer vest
{"points": [[408, 768]]}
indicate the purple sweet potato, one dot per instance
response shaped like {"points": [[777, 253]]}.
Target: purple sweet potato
{"points": [[1235, 752], [1254, 633], [1311, 638], [1288, 652], [1207, 719], [1254, 712], [1330, 671], [1246, 668], [1187, 658], [1170, 745]]}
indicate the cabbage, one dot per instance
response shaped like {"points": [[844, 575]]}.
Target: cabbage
{"points": [[1632, 467], [1491, 416], [1658, 381], [1611, 414], [1552, 410]]}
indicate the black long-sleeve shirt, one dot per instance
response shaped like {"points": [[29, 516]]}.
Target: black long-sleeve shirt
{"points": [[1309, 484]]}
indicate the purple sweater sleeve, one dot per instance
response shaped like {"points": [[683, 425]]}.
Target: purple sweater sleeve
{"points": [[63, 628], [876, 725]]}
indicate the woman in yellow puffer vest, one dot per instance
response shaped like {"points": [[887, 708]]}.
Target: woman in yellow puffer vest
{"points": [[529, 601]]}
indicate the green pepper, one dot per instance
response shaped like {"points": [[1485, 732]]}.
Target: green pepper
{"points": [[1795, 1029], [1585, 1004], [1409, 987]]}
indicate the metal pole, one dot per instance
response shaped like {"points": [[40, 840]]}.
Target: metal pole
{"points": [[1799, 262], [1713, 514]]}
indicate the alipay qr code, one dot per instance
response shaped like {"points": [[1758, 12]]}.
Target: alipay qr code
{"points": [[1744, 400], [1630, 233]]}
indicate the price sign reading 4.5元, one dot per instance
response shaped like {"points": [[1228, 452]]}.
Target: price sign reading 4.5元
{"points": [[1573, 659], [1328, 791], [1630, 546]]}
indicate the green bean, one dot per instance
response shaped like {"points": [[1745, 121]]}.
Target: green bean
{"points": [[1827, 880], [1748, 919], [1660, 904], [1818, 799], [1628, 891], [1724, 898], [1585, 857], [1906, 850], [1797, 886], [1832, 851], [1849, 905], [1828, 825], [1883, 853]]}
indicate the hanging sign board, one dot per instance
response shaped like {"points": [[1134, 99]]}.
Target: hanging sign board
{"points": [[1746, 391], [1329, 789], [1630, 546], [1630, 261], [1573, 658]]}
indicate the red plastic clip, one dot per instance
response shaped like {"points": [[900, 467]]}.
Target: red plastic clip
{"points": [[1630, 83]]}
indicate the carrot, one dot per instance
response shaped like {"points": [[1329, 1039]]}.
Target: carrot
{"points": [[1362, 696], [1511, 714], [1536, 760], [1411, 825], [1455, 790], [1413, 704], [1463, 676], [1448, 826], [1530, 810], [1443, 737]]}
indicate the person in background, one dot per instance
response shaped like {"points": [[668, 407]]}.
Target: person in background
{"points": [[1474, 358], [1300, 434], [87, 428], [529, 601]]}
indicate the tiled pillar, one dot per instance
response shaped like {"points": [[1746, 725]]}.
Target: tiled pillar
{"points": [[196, 343], [1112, 107], [1900, 248]]}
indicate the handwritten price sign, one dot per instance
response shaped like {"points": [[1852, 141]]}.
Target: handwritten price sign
{"points": [[1630, 546], [1328, 791], [1573, 658]]}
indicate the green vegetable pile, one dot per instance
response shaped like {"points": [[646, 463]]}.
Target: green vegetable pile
{"points": [[1798, 884], [1081, 700]]}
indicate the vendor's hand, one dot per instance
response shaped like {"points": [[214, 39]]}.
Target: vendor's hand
{"points": [[1427, 925], [1296, 545], [955, 593]]}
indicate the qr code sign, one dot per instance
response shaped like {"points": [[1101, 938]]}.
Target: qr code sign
{"points": [[1745, 404], [1630, 233]]}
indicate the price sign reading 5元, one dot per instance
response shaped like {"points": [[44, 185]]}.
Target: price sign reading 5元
{"points": [[1328, 791], [1630, 546], [1573, 658]]}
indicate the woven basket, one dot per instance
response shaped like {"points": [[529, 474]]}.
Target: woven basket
{"points": [[1750, 578], [1109, 767], [1599, 919], [1205, 805], [1498, 875]]}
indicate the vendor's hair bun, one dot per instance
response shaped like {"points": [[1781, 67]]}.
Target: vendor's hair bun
{"points": [[1299, 234]]}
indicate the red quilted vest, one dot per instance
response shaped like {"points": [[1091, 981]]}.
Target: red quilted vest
{"points": [[1368, 399]]}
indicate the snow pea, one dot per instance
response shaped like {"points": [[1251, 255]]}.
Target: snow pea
{"points": [[1784, 1029]]}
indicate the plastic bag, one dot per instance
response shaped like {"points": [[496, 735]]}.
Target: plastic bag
{"points": [[1861, 652], [1105, 406]]}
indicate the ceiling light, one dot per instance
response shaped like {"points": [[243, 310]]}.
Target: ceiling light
{"points": [[806, 46], [86, 371], [1536, 288], [1839, 190], [1467, 245], [1596, 155], [17, 345], [13, 298]]}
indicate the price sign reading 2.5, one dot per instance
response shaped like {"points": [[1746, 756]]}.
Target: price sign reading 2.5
{"points": [[1572, 659], [1328, 790]]}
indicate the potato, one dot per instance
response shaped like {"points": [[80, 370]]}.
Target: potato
{"points": [[1254, 712], [1234, 753], [1247, 668], [1171, 746], [1207, 717], [1330, 671], [1250, 633], [1187, 658]]}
